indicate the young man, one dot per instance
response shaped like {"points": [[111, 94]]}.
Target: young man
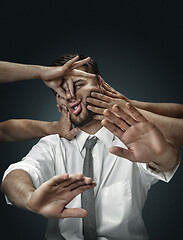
{"points": [[41, 182], [24, 129]]}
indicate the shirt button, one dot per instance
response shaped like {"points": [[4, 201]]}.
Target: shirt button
{"points": [[94, 155]]}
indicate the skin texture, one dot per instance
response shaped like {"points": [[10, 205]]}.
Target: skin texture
{"points": [[144, 141], [24, 129], [167, 117], [51, 76], [84, 119], [51, 197]]}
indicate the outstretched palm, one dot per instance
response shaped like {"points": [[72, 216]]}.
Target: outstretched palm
{"points": [[52, 196], [144, 141]]}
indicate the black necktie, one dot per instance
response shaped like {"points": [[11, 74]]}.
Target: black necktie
{"points": [[87, 197]]}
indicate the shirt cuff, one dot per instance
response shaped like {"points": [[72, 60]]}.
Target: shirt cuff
{"points": [[163, 176]]}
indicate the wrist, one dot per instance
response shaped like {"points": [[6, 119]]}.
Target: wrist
{"points": [[41, 71], [168, 160], [28, 205], [53, 128]]}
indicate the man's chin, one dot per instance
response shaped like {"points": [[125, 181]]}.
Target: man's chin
{"points": [[80, 121]]}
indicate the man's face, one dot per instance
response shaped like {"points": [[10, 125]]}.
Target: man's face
{"points": [[80, 115]]}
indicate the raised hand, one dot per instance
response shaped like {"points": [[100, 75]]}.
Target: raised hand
{"points": [[52, 196], [144, 141], [53, 76], [105, 100], [109, 91]]}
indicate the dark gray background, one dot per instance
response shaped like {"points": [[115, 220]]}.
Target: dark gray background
{"points": [[138, 47]]}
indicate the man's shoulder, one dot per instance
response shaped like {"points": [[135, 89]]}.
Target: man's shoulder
{"points": [[55, 139]]}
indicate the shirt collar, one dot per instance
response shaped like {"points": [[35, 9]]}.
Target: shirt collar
{"points": [[103, 135]]}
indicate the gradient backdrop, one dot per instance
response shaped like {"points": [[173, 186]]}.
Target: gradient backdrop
{"points": [[139, 49]]}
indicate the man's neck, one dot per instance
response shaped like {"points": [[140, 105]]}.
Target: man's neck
{"points": [[92, 127]]}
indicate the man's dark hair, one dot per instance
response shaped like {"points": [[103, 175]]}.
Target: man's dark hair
{"points": [[90, 67]]}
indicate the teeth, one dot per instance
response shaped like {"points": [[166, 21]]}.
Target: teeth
{"points": [[75, 107]]}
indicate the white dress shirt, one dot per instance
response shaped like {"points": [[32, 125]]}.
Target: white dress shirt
{"points": [[120, 193]]}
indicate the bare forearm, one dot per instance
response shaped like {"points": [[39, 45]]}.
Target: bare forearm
{"points": [[11, 72], [172, 128], [25, 129], [18, 187], [166, 109]]}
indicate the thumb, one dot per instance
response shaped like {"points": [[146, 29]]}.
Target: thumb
{"points": [[64, 112], [72, 133], [122, 152], [60, 91], [73, 213]]}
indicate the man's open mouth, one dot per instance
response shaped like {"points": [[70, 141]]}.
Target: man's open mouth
{"points": [[75, 107]]}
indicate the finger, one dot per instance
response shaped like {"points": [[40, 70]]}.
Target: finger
{"points": [[62, 101], [72, 133], [70, 63], [123, 115], [79, 184], [119, 122], [122, 152], [83, 188], [97, 102], [101, 96], [67, 91], [59, 108], [95, 109], [64, 112], [70, 86], [81, 62], [107, 87], [108, 93], [64, 87], [98, 117], [77, 72], [73, 213], [113, 128], [60, 91], [135, 113], [72, 179], [57, 179], [101, 80]]}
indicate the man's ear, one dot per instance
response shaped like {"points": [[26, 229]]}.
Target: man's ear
{"points": [[59, 108]]}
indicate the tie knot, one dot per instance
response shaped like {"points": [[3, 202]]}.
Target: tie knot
{"points": [[90, 143]]}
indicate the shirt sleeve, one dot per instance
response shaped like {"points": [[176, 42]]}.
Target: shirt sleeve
{"points": [[150, 176], [39, 162]]}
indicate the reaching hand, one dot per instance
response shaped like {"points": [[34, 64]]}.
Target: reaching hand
{"points": [[64, 125], [145, 142], [105, 100], [53, 76], [52, 196], [109, 91]]}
